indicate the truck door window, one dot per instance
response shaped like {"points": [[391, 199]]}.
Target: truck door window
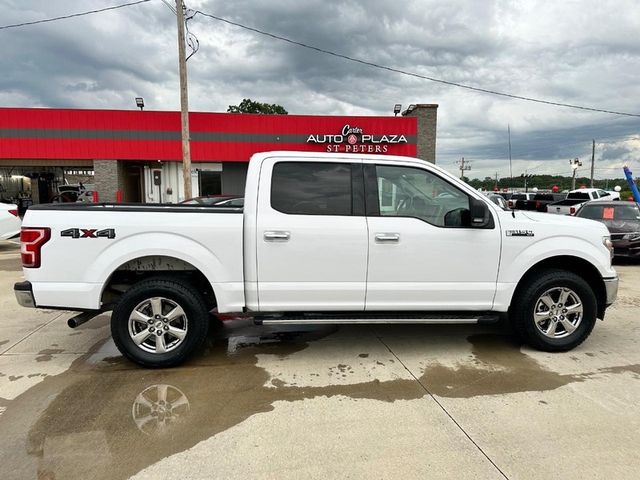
{"points": [[311, 188], [413, 192]]}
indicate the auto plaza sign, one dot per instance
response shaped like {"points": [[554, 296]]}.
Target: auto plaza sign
{"points": [[354, 140]]}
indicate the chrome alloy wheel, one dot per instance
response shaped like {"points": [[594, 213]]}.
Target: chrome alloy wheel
{"points": [[558, 312], [158, 325]]}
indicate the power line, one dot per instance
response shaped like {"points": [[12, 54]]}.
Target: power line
{"points": [[338, 55], [412, 74], [73, 15]]}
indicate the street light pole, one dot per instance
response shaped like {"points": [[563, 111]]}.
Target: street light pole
{"points": [[575, 163], [184, 102]]}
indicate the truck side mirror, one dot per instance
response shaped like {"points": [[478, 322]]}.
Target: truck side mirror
{"points": [[481, 217]]}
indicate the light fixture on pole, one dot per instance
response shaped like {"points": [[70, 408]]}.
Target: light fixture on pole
{"points": [[397, 108], [140, 103], [575, 163]]}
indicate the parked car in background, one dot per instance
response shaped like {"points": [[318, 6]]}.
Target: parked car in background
{"points": [[216, 201], [9, 221], [77, 192], [498, 200], [623, 221], [540, 201], [518, 196], [575, 199]]}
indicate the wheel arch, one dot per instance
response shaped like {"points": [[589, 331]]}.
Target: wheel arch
{"points": [[126, 275], [570, 263]]}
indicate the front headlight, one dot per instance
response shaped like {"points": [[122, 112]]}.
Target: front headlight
{"points": [[606, 241], [632, 236]]}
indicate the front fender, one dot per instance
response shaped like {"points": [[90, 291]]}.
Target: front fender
{"points": [[516, 264]]}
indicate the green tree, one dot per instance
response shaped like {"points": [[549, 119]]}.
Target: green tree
{"points": [[249, 106]]}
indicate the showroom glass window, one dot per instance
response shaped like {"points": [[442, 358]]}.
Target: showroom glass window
{"points": [[413, 192], [311, 188]]}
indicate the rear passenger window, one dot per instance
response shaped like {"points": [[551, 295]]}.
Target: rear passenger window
{"points": [[311, 188]]}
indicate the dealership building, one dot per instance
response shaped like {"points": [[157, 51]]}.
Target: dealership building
{"points": [[136, 155]]}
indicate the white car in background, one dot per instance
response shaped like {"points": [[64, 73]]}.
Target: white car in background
{"points": [[9, 221]]}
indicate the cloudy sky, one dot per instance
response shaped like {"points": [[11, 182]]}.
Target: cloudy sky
{"points": [[574, 51]]}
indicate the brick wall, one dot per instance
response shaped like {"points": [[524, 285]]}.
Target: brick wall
{"points": [[108, 178], [427, 115]]}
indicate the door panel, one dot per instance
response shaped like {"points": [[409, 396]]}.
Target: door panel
{"points": [[423, 263], [309, 259]]}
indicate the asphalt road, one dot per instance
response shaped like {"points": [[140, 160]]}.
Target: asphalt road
{"points": [[359, 402]]}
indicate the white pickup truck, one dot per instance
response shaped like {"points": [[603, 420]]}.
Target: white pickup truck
{"points": [[322, 238], [575, 199]]}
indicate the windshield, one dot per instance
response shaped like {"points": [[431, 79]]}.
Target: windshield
{"points": [[606, 212]]}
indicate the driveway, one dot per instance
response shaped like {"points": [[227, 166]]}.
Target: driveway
{"points": [[404, 401]]}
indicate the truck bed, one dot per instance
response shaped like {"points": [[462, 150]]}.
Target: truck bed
{"points": [[567, 202], [136, 207], [89, 242]]}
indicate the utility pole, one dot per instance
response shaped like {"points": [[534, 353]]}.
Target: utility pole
{"points": [[510, 169], [184, 102], [495, 187], [593, 158], [464, 166], [575, 163]]}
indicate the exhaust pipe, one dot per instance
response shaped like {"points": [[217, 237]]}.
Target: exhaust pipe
{"points": [[82, 317]]}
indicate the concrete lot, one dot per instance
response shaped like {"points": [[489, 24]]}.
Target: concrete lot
{"points": [[358, 402]]}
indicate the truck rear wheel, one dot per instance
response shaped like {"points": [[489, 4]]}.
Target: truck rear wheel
{"points": [[158, 322], [555, 311]]}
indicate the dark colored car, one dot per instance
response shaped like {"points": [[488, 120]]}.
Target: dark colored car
{"points": [[216, 201], [539, 201], [623, 221], [517, 196]]}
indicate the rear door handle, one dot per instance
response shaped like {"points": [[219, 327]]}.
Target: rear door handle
{"points": [[387, 237], [277, 236]]}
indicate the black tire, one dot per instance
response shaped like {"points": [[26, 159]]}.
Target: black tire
{"points": [[184, 295], [524, 305]]}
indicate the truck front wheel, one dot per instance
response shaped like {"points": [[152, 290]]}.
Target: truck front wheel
{"points": [[555, 311], [158, 322]]}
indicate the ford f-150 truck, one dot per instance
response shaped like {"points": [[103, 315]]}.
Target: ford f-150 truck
{"points": [[576, 198], [322, 238]]}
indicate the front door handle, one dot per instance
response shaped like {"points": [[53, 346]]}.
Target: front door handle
{"points": [[278, 236], [387, 237]]}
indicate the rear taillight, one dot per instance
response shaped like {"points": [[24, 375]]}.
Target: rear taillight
{"points": [[572, 211], [510, 204], [14, 212], [538, 204], [31, 240]]}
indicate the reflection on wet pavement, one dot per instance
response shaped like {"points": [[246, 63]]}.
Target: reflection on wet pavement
{"points": [[107, 418]]}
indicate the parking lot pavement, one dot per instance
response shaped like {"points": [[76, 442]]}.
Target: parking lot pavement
{"points": [[403, 401]]}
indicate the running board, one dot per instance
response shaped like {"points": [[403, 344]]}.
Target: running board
{"points": [[428, 319]]}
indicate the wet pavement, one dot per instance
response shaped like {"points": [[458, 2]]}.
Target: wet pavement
{"points": [[405, 401]]}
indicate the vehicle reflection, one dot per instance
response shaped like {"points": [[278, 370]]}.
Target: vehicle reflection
{"points": [[157, 408], [106, 418]]}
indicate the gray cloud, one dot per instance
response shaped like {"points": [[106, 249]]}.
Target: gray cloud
{"points": [[586, 53]]}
